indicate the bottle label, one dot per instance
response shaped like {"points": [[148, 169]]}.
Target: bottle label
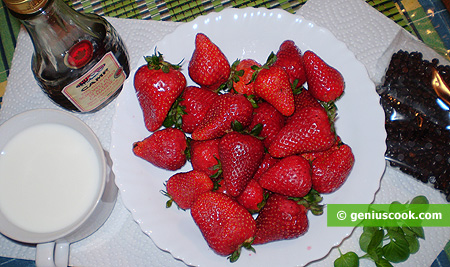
{"points": [[97, 85]]}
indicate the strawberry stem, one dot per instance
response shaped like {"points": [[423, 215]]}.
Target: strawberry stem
{"points": [[170, 201], [247, 245], [219, 172], [331, 109], [175, 115], [156, 62], [311, 201]]}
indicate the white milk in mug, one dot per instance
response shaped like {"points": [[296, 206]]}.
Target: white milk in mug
{"points": [[56, 182], [49, 178]]}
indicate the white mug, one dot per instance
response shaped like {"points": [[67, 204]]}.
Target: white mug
{"points": [[56, 182]]}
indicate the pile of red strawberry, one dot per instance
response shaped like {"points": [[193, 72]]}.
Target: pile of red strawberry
{"points": [[262, 147]]}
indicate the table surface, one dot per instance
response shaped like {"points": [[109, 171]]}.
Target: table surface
{"points": [[428, 20]]}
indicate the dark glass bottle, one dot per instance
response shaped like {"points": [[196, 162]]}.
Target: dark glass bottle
{"points": [[79, 60]]}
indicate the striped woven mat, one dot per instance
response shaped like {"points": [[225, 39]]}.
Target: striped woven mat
{"points": [[429, 20], [169, 10]]}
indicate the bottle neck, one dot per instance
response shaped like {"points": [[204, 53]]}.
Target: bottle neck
{"points": [[54, 22], [25, 8], [54, 30]]}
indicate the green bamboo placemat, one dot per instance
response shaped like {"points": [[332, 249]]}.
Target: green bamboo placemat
{"points": [[171, 10], [182, 10]]}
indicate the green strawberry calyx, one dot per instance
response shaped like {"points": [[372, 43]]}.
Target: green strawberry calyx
{"points": [[247, 245], [311, 202], [157, 62]]}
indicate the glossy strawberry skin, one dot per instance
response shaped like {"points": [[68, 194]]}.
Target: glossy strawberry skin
{"points": [[331, 169], [291, 176], [324, 82], [245, 84], [185, 187], [220, 116], [310, 156], [271, 120], [252, 197], [302, 100], [196, 101], [224, 223], [272, 84], [289, 57], [208, 66], [164, 148], [222, 188], [308, 131], [156, 91], [205, 155], [240, 155], [267, 162], [280, 219]]}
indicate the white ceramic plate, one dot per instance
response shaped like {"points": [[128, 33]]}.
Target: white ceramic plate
{"points": [[251, 33]]}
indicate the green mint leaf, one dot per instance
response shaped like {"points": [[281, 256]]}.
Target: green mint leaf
{"points": [[397, 207], [370, 229], [349, 259], [364, 240], [418, 208], [397, 250], [420, 200], [413, 244], [370, 236], [383, 263], [377, 239], [413, 231], [417, 205], [418, 231], [375, 253]]}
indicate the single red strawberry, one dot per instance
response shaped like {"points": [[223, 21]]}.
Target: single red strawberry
{"points": [[310, 156], [164, 148], [291, 177], [324, 82], [252, 198], [272, 84], [267, 162], [221, 187], [225, 224], [205, 156], [303, 99], [281, 218], [245, 84], [271, 120], [208, 66], [240, 156], [195, 102], [289, 57], [331, 169], [158, 84], [219, 118], [183, 188], [308, 131]]}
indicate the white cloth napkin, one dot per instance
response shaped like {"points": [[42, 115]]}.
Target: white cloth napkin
{"points": [[369, 35]]}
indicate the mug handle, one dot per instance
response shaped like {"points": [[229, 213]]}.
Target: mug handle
{"points": [[52, 254]]}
